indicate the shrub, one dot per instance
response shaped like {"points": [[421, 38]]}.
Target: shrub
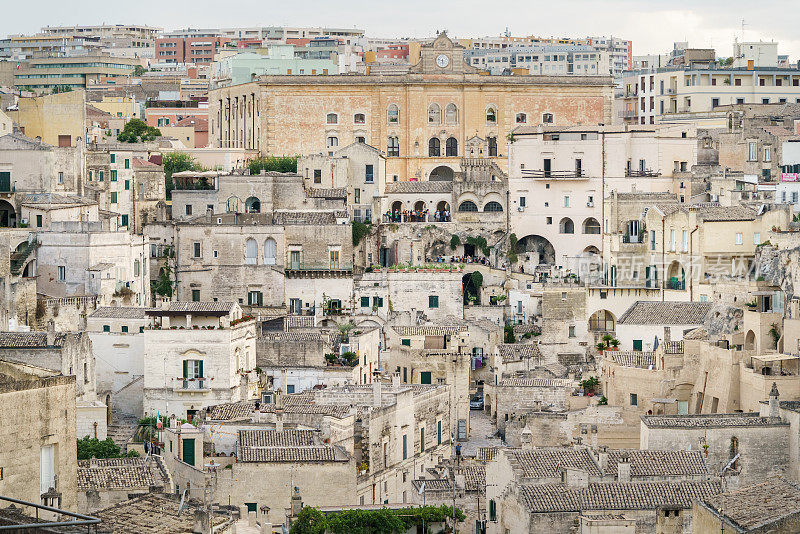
{"points": [[454, 241], [360, 231], [508, 334], [273, 164], [137, 130]]}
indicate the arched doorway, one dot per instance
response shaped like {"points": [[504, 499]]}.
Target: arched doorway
{"points": [[676, 276], [8, 215], [442, 173], [591, 250], [537, 249], [397, 211], [750, 340], [602, 321], [443, 207], [566, 226], [252, 205], [591, 226], [419, 209]]}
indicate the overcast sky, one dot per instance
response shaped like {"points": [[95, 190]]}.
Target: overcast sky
{"points": [[652, 25]]}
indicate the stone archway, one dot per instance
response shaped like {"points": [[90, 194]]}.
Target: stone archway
{"points": [[442, 173], [538, 248], [750, 340], [8, 215]]}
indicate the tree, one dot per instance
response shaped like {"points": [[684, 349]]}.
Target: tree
{"points": [[138, 70], [454, 241], [512, 248], [273, 164], [89, 448], [360, 230], [61, 89], [176, 162], [163, 286], [508, 334], [138, 130]]}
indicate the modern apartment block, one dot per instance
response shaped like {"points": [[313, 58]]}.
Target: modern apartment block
{"points": [[541, 59], [76, 72], [189, 46]]}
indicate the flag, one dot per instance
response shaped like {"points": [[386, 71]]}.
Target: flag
{"points": [[158, 420]]}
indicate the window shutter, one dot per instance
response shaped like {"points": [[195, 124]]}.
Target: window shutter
{"points": [[200, 369], [185, 368]]}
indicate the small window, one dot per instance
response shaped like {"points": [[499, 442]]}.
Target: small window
{"points": [[188, 209], [359, 118], [195, 295], [393, 146], [317, 176], [405, 342], [738, 238], [547, 118], [106, 328], [196, 249], [491, 116], [433, 301], [521, 118], [113, 197], [39, 221], [572, 331], [124, 221], [332, 118], [124, 329], [332, 141], [434, 114], [113, 176], [113, 158], [62, 273], [365, 302], [634, 399], [393, 114]]}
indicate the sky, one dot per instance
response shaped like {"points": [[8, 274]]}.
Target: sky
{"points": [[652, 25]]}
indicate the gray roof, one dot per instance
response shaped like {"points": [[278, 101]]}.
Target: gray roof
{"points": [[320, 192], [152, 513], [121, 473], [512, 352], [276, 438], [666, 313], [632, 358], [436, 186], [182, 307], [427, 330], [307, 217], [650, 463], [544, 498], [546, 462], [725, 213], [319, 453], [709, 421], [56, 200], [537, 382], [757, 506], [119, 312], [486, 454], [29, 340]]}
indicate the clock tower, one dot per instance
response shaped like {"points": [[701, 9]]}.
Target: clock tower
{"points": [[442, 56]]}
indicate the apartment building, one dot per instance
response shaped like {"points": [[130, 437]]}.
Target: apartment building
{"points": [[189, 46], [76, 72], [548, 59]]}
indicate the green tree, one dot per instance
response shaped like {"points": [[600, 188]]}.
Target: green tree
{"points": [[512, 248], [138, 130], [176, 162], [508, 334], [454, 241], [360, 231], [138, 70], [61, 89], [94, 448], [273, 164], [163, 286]]}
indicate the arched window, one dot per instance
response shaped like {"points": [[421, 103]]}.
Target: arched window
{"points": [[393, 114], [393, 146], [250, 252], [451, 114], [468, 205], [451, 146], [332, 118], [359, 118], [332, 141], [252, 205], [491, 115], [591, 226], [566, 226], [434, 147], [232, 205], [547, 118], [493, 206], [270, 251], [434, 114], [521, 118]]}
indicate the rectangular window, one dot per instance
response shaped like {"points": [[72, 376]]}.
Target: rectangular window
{"points": [[357, 196], [39, 221], [127, 163], [101, 175], [686, 240], [188, 209], [672, 240], [405, 342], [124, 329], [317, 176], [365, 302], [195, 295], [433, 301], [127, 185], [113, 197], [113, 176], [752, 151], [255, 298], [566, 201], [377, 302], [767, 155], [522, 202], [757, 238], [113, 158], [62, 273], [438, 432], [196, 249], [738, 238], [334, 259], [368, 174], [652, 239], [106, 328], [124, 220], [634, 399], [422, 439], [571, 331]]}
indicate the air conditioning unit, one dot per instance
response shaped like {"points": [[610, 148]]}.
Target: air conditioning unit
{"points": [[714, 198], [590, 204], [521, 208]]}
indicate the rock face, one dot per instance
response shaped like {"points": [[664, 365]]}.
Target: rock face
{"points": [[779, 267], [723, 320]]}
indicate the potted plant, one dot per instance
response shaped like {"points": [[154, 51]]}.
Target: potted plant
{"points": [[601, 346], [615, 343]]}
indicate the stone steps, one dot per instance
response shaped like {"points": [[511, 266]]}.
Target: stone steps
{"points": [[122, 428]]}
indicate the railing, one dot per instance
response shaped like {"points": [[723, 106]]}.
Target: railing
{"points": [[320, 267], [633, 239], [678, 285], [51, 526], [553, 175], [646, 173], [194, 384]]}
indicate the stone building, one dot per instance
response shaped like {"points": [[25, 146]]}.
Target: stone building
{"points": [[105, 483], [646, 324], [513, 397], [37, 454], [197, 354], [768, 506], [423, 118]]}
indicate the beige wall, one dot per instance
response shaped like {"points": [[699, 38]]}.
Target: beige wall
{"points": [[51, 116]]}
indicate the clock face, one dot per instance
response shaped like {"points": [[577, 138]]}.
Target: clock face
{"points": [[442, 60]]}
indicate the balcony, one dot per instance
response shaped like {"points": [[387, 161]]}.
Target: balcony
{"points": [[192, 385], [554, 175], [641, 173], [319, 270], [675, 284]]}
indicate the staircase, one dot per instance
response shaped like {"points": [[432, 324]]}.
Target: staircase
{"points": [[19, 256], [122, 428]]}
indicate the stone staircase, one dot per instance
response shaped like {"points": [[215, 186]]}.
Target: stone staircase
{"points": [[122, 428], [19, 256]]}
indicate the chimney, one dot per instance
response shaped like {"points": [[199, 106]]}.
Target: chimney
{"points": [[377, 389], [602, 458], [526, 438], [774, 403], [297, 502], [279, 420], [667, 334], [395, 380], [624, 468], [51, 333]]}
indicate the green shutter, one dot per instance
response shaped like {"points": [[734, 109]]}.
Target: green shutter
{"points": [[200, 369], [5, 182], [405, 451], [127, 163], [113, 158], [438, 432], [185, 368], [422, 439], [365, 302], [127, 185]]}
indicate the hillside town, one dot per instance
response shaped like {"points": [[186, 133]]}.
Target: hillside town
{"points": [[287, 279]]}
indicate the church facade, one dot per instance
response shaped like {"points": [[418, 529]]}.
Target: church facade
{"points": [[421, 120]]}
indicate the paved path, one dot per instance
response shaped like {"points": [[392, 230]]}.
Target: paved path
{"points": [[481, 433]]}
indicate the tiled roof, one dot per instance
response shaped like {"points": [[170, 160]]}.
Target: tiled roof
{"points": [[512, 352], [419, 187], [709, 421], [152, 514], [185, 306], [119, 312], [28, 339], [318, 453], [433, 484], [299, 321], [120, 473], [697, 333], [650, 463], [537, 382], [647, 195], [632, 358], [543, 498], [665, 313], [725, 213], [520, 329], [757, 506], [428, 330], [318, 192], [475, 477], [307, 217], [143, 163], [486, 454], [545, 462], [276, 438], [293, 336], [231, 411], [47, 199]]}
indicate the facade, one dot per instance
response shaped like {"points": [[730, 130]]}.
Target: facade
{"points": [[546, 60], [189, 46], [425, 131], [76, 72], [209, 346], [243, 67]]}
